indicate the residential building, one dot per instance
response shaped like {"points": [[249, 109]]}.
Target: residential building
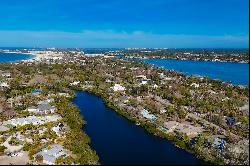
{"points": [[147, 115], [118, 87], [170, 126], [35, 120], [50, 155], [4, 85]]}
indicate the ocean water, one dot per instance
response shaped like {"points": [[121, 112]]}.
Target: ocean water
{"points": [[235, 73], [14, 57]]}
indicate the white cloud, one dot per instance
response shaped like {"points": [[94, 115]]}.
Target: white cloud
{"points": [[109, 38]]}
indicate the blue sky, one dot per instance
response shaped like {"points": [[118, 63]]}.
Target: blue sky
{"points": [[125, 23]]}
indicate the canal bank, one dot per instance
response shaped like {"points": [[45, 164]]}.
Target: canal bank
{"points": [[119, 141]]}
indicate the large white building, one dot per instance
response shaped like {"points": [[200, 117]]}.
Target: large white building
{"points": [[118, 87]]}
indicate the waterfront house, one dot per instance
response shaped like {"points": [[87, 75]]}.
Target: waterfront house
{"points": [[163, 129], [219, 143], [35, 120], [50, 155], [87, 86], [188, 129], [185, 128], [58, 129], [147, 115], [64, 94], [123, 99], [170, 126]]}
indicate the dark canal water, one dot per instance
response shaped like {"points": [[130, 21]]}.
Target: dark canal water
{"points": [[119, 141]]}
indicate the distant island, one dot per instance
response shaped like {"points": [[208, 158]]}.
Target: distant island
{"points": [[219, 55]]}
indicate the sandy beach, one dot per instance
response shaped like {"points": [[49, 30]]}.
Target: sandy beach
{"points": [[36, 56]]}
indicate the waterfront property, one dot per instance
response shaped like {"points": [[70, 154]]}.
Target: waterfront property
{"points": [[187, 129], [50, 154], [35, 120], [147, 115]]}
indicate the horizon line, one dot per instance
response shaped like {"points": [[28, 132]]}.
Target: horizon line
{"points": [[166, 48]]}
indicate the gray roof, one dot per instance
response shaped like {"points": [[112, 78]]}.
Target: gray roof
{"points": [[54, 150], [48, 158], [123, 98], [44, 107], [32, 107], [51, 154]]}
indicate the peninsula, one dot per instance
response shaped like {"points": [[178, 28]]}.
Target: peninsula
{"points": [[208, 118]]}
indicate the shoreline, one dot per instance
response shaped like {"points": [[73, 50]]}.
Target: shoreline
{"points": [[186, 59], [201, 60], [157, 133], [131, 120], [35, 56], [185, 73]]}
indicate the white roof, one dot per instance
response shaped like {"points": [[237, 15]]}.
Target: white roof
{"points": [[118, 87], [50, 155], [33, 120]]}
